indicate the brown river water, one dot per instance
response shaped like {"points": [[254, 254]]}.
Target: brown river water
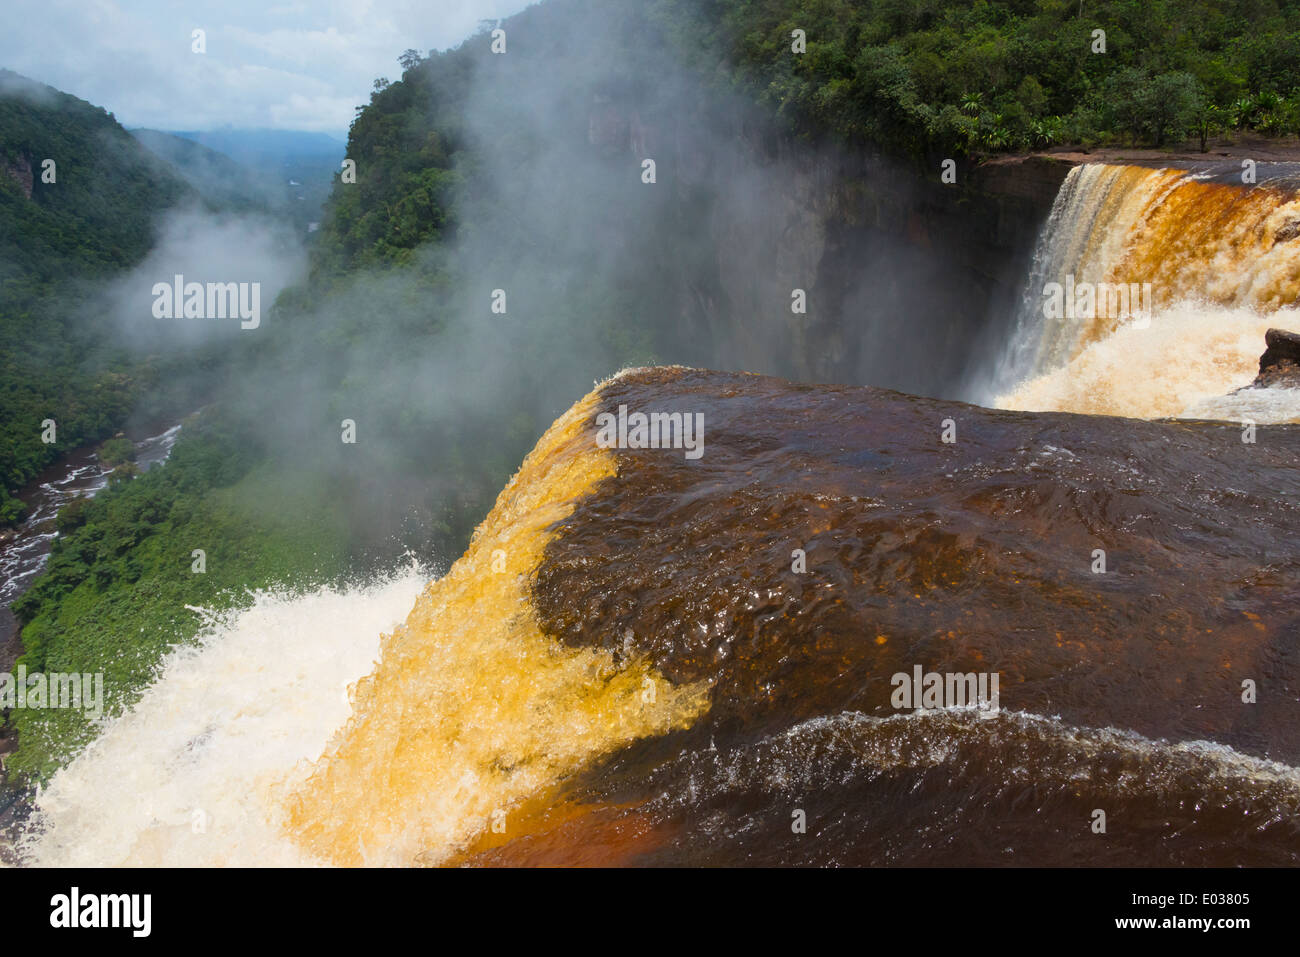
{"points": [[1120, 691]]}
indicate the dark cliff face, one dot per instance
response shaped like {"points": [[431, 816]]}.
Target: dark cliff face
{"points": [[975, 556], [907, 272], [915, 271], [901, 273]]}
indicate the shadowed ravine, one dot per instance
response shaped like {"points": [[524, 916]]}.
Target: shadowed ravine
{"points": [[1120, 691]]}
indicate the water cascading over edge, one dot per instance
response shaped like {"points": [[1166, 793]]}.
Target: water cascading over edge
{"points": [[648, 658], [1220, 262]]}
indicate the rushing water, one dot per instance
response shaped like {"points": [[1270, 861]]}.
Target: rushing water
{"points": [[627, 667], [1222, 261], [196, 772]]}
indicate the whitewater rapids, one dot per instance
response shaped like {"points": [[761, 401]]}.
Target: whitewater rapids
{"points": [[194, 774], [1224, 265]]}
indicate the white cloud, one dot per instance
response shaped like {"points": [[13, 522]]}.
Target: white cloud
{"points": [[289, 66]]}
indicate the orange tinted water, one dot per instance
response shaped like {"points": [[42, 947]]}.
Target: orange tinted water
{"points": [[1120, 690]]}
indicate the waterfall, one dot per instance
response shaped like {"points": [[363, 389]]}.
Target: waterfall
{"points": [[1220, 263], [645, 659]]}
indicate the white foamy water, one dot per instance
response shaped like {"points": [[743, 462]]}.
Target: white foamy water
{"points": [[1058, 752], [1272, 406], [1222, 267], [194, 774], [1183, 364]]}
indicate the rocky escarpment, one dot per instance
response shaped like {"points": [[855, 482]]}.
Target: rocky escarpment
{"points": [[901, 269], [832, 264], [19, 170]]}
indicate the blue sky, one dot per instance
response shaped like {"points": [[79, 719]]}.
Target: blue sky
{"points": [[275, 64]]}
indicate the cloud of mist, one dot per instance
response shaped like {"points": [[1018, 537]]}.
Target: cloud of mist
{"points": [[202, 247], [600, 270], [21, 88]]}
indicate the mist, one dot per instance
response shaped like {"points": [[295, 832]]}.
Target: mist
{"points": [[203, 247], [564, 258]]}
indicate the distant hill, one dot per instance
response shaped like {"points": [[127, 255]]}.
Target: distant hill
{"points": [[297, 168], [220, 180], [256, 147], [97, 213], [79, 197]]}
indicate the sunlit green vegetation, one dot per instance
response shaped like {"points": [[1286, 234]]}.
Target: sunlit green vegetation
{"points": [[993, 75]]}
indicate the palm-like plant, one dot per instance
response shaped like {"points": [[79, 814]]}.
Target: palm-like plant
{"points": [[1242, 112], [1043, 132], [996, 135], [1268, 101]]}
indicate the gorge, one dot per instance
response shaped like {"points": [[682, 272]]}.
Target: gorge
{"points": [[645, 648], [626, 667]]}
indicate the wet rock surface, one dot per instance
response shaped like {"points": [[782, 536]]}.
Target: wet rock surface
{"points": [[1279, 366]]}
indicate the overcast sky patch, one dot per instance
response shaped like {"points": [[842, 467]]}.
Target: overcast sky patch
{"points": [[292, 66]]}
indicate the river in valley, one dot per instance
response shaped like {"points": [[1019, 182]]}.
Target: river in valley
{"points": [[24, 551]]}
